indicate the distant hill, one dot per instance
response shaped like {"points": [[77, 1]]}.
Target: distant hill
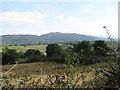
{"points": [[56, 36], [46, 38]]}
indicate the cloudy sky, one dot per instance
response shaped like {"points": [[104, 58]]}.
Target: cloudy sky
{"points": [[74, 16]]}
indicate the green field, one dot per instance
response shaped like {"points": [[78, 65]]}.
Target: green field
{"points": [[64, 46], [41, 48]]}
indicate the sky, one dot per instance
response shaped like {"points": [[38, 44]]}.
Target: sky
{"points": [[39, 17]]}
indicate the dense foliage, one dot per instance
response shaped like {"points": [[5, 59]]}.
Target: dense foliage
{"points": [[101, 48], [9, 56], [85, 46], [88, 53], [32, 52], [55, 53], [34, 55]]}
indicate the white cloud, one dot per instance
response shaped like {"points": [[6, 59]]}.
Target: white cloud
{"points": [[59, 17], [63, 24], [95, 28], [72, 20], [109, 9], [84, 11], [22, 18]]}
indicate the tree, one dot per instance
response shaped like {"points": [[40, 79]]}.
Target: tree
{"points": [[9, 56], [55, 52], [84, 46], [32, 52], [21, 54], [100, 48], [34, 55]]}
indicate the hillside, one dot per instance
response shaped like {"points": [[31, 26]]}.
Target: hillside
{"points": [[45, 38], [43, 74], [20, 39]]}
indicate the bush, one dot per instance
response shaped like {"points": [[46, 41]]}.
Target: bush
{"points": [[101, 48], [35, 58], [84, 46], [32, 52], [91, 60], [9, 56], [55, 53], [34, 55], [21, 55], [113, 74], [72, 58], [57, 59]]}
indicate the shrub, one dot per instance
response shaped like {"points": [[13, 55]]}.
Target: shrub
{"points": [[71, 57], [92, 59], [100, 48], [85, 46], [34, 55], [57, 59], [35, 58], [9, 56], [32, 52], [55, 53], [21, 55]]}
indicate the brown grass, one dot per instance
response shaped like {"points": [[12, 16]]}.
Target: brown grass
{"points": [[47, 74]]}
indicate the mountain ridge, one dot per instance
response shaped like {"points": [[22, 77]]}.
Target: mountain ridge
{"points": [[46, 38]]}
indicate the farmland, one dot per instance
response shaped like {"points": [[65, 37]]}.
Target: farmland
{"points": [[41, 48]]}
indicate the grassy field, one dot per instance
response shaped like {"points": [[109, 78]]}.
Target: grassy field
{"points": [[41, 48], [44, 74], [64, 46]]}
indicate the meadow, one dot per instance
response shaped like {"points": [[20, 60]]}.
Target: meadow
{"points": [[41, 48]]}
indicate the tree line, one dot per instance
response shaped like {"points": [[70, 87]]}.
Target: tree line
{"points": [[85, 51]]}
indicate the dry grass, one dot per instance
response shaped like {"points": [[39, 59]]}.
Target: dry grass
{"points": [[47, 74], [33, 68]]}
